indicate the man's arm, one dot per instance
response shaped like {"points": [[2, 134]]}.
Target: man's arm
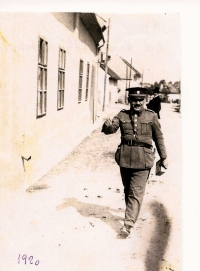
{"points": [[164, 163], [110, 127], [159, 142]]}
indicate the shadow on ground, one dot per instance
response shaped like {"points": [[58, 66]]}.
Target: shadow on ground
{"points": [[109, 154], [160, 237], [37, 187], [96, 211]]}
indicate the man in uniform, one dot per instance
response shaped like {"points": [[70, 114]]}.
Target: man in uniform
{"points": [[138, 126]]}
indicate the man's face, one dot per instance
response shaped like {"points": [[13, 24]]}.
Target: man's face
{"points": [[136, 103]]}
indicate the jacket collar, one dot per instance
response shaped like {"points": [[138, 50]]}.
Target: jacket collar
{"points": [[139, 113]]}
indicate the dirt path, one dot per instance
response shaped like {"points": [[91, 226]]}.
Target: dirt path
{"points": [[71, 218]]}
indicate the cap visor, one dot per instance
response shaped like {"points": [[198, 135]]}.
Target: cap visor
{"points": [[139, 96]]}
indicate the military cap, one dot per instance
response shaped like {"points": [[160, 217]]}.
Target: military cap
{"points": [[137, 92]]}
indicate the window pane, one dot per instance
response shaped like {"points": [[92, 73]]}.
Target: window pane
{"points": [[79, 95], [64, 55], [58, 98], [81, 66], [63, 80], [59, 80], [59, 59], [62, 59], [87, 82], [46, 53], [62, 98], [40, 103], [80, 81], [88, 69], [43, 52], [60, 101], [86, 94], [41, 79], [45, 102], [40, 51], [45, 79]]}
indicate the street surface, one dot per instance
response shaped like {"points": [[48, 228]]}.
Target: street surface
{"points": [[70, 219]]}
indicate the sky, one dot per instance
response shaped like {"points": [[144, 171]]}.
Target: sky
{"points": [[153, 41]]}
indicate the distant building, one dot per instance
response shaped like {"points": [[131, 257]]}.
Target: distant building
{"points": [[121, 75], [49, 64], [170, 92], [112, 79]]}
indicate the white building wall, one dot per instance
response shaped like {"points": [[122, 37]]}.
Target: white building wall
{"points": [[46, 140], [113, 90], [121, 95]]}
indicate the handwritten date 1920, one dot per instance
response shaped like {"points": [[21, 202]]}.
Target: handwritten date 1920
{"points": [[27, 259]]}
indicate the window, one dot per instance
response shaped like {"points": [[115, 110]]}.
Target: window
{"points": [[87, 81], [61, 78], [80, 81], [42, 78]]}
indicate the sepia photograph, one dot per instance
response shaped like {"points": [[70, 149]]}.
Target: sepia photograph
{"points": [[91, 141]]}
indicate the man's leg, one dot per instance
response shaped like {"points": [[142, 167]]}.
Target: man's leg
{"points": [[126, 174], [134, 182]]}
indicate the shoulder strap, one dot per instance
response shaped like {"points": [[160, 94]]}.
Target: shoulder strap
{"points": [[147, 109]]}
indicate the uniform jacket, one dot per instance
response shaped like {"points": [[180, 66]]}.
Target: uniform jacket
{"points": [[148, 129]]}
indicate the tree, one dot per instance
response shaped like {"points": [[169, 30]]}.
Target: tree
{"points": [[162, 82], [156, 84], [177, 85]]}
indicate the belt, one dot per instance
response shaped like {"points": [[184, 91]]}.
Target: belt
{"points": [[136, 143]]}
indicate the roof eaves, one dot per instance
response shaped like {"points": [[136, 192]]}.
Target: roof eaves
{"points": [[93, 26], [113, 74], [130, 66]]}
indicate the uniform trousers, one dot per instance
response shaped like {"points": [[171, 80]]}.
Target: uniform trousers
{"points": [[134, 182]]}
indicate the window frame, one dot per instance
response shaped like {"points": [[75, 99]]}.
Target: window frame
{"points": [[42, 73], [80, 83], [61, 78], [87, 81]]}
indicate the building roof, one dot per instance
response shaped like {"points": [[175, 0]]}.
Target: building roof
{"points": [[117, 68], [131, 67], [112, 73], [95, 25]]}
